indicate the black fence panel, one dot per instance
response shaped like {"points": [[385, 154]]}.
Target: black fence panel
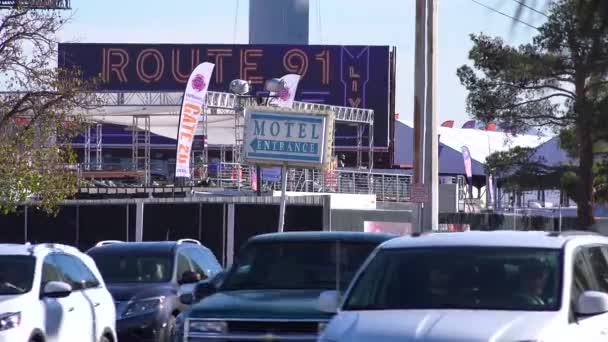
{"points": [[251, 220], [212, 228], [167, 222], [303, 218], [12, 227], [103, 222], [61, 228]]}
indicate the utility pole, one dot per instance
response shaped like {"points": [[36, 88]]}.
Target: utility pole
{"points": [[426, 149], [431, 144], [419, 81]]}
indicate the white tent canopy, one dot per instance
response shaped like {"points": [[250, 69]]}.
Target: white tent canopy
{"points": [[164, 122], [480, 143]]}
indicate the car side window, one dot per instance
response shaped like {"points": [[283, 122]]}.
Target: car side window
{"points": [[183, 264], [198, 265], [76, 272], [582, 279], [50, 272], [599, 263]]}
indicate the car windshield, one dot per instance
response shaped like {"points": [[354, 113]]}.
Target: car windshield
{"points": [[459, 278], [16, 274], [134, 268], [297, 265]]}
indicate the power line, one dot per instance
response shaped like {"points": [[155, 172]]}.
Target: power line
{"points": [[504, 14], [530, 8]]}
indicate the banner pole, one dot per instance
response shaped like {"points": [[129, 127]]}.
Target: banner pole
{"points": [[283, 197]]}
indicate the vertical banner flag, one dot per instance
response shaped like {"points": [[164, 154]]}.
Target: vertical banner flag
{"points": [[448, 124], [190, 114], [286, 96], [466, 156], [490, 186]]}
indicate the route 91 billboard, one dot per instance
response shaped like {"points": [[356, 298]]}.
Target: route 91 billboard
{"points": [[353, 76]]}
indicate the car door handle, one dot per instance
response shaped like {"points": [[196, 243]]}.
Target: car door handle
{"points": [[97, 305], [71, 309]]}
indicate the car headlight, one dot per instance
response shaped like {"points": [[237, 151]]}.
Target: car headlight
{"points": [[143, 306], [10, 320], [207, 327]]}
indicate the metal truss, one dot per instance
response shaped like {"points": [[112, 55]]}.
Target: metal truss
{"points": [[93, 139], [225, 103], [141, 140]]}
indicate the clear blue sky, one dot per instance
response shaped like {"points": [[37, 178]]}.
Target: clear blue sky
{"points": [[375, 22]]}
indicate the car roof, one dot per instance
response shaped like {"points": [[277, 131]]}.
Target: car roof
{"points": [[322, 236], [15, 249], [526, 239], [152, 247], [35, 249]]}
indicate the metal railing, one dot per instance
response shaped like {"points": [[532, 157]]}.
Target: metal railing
{"points": [[233, 176]]}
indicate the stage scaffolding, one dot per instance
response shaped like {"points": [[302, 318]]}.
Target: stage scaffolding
{"points": [[217, 104]]}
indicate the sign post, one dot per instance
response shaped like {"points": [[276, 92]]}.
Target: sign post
{"points": [[283, 198], [285, 137]]}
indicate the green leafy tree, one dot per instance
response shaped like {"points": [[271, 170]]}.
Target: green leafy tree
{"points": [[557, 81], [37, 111]]}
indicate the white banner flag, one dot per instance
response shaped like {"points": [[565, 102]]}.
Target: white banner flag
{"points": [[285, 98], [191, 113]]}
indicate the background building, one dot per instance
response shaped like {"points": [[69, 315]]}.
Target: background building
{"points": [[278, 22]]}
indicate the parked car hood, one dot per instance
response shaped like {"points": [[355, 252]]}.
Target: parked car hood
{"points": [[261, 304], [125, 292], [438, 325]]}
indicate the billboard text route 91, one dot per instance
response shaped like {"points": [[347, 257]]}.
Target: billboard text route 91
{"points": [[352, 76]]}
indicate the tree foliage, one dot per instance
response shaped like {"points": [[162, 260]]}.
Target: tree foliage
{"points": [[558, 81], [38, 110]]}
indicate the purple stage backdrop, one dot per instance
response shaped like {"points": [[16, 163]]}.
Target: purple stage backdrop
{"points": [[354, 76]]}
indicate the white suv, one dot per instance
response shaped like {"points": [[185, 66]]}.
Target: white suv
{"points": [[51, 292], [478, 286]]}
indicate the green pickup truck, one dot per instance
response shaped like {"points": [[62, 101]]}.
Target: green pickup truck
{"points": [[271, 293]]}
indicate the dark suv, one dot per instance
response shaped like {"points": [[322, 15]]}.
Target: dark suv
{"points": [[146, 280], [271, 293]]}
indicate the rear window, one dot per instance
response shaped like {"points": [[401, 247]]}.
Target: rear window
{"points": [[297, 265], [134, 268]]}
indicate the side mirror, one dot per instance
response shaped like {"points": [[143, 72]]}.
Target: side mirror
{"points": [[56, 289], [189, 277], [329, 301], [204, 289], [186, 298], [592, 303]]}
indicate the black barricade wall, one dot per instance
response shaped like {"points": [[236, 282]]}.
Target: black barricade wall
{"points": [[105, 222], [85, 225], [212, 233], [166, 222], [13, 227], [61, 228], [251, 220]]}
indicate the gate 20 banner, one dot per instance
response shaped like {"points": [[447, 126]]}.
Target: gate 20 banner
{"points": [[353, 76]]}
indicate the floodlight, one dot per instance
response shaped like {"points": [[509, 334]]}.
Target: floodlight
{"points": [[239, 87], [275, 85]]}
